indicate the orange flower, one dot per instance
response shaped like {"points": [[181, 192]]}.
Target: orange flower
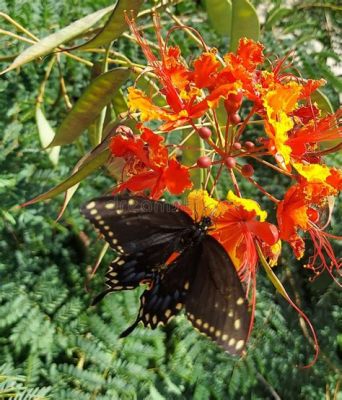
{"points": [[236, 227], [148, 166], [301, 210], [304, 139], [191, 93]]}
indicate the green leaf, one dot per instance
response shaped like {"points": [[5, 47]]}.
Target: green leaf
{"points": [[276, 15], [46, 135], [322, 101], [119, 103], [115, 25], [272, 276], [97, 95], [245, 23], [220, 15], [235, 19], [85, 170], [49, 43]]}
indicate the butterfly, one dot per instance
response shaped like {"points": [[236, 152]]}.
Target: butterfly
{"points": [[183, 267]]}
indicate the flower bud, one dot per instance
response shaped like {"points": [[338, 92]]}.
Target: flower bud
{"points": [[204, 162], [237, 146], [235, 118], [249, 145], [247, 170], [204, 132], [230, 162]]}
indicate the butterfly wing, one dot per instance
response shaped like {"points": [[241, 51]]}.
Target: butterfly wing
{"points": [[133, 224], [167, 295], [124, 273], [216, 303]]}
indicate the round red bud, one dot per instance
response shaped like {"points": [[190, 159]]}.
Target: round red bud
{"points": [[204, 132], [235, 118], [237, 146], [204, 162], [247, 170], [230, 162], [249, 145]]}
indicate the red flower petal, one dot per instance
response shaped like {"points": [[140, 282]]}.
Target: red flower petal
{"points": [[177, 177], [264, 230]]}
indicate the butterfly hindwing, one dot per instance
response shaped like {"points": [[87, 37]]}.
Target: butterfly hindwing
{"points": [[168, 292], [216, 303]]}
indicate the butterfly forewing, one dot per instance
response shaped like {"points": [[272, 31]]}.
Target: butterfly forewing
{"points": [[132, 224], [216, 303]]}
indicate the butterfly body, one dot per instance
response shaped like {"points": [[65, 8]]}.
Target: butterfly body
{"points": [[185, 268]]}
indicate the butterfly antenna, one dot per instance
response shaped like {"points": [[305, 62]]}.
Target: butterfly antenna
{"points": [[130, 329]]}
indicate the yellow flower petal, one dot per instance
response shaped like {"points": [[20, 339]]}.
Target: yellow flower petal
{"points": [[248, 205], [278, 103], [313, 172], [275, 251], [202, 205]]}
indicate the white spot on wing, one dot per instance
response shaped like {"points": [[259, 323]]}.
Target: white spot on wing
{"points": [[237, 324], [91, 205], [240, 344], [240, 301], [109, 206]]}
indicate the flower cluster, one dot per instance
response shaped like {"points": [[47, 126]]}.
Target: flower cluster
{"points": [[204, 101]]}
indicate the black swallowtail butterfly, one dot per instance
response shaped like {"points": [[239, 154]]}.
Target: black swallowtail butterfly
{"points": [[201, 278]]}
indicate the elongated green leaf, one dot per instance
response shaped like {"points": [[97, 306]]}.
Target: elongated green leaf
{"points": [[49, 43], [233, 18], [322, 101], [46, 135], [86, 169], [67, 197], [245, 22], [220, 15], [119, 103], [97, 95], [115, 25], [271, 275], [276, 15]]}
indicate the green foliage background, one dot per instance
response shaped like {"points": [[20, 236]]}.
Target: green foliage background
{"points": [[52, 344]]}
